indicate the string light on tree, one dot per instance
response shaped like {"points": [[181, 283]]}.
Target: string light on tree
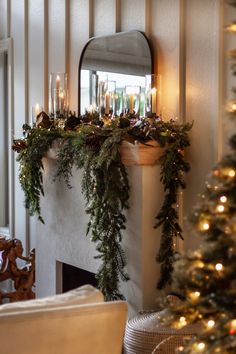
{"points": [[194, 295], [219, 267], [182, 322], [199, 347], [220, 208], [211, 323], [223, 199], [204, 222]]}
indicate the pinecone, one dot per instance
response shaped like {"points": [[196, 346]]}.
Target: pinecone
{"points": [[92, 142], [18, 145]]}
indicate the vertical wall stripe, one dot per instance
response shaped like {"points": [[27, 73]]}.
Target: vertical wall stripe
{"points": [[11, 129], [46, 73], [9, 18], [222, 59], [148, 11], [67, 40], [91, 18], [26, 69], [182, 62], [26, 49], [182, 98], [118, 16]]}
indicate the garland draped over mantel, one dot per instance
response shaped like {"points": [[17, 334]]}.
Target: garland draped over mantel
{"points": [[94, 146]]}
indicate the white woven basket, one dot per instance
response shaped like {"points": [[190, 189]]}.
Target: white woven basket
{"points": [[144, 333]]}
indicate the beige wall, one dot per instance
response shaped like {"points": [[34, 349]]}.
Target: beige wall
{"points": [[186, 36]]}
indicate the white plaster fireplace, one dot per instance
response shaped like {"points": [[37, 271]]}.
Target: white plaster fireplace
{"points": [[62, 238]]}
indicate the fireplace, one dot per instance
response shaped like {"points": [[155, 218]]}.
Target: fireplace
{"points": [[73, 277]]}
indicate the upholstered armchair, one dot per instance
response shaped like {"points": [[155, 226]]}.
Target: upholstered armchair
{"points": [[75, 322]]}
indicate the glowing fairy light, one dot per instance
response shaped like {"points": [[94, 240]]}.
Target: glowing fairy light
{"points": [[223, 199], [205, 226], [219, 267], [231, 173], [210, 323], [220, 208], [194, 295], [201, 346], [182, 321], [233, 324]]}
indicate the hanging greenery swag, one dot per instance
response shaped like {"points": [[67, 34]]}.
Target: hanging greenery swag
{"points": [[94, 147]]}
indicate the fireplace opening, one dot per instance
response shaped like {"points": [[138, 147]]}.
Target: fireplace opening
{"points": [[73, 277]]}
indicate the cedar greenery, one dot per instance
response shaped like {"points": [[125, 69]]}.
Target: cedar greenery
{"points": [[95, 149]]}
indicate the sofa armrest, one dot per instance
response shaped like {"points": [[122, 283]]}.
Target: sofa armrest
{"points": [[82, 329]]}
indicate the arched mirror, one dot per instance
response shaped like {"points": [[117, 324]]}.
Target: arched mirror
{"points": [[122, 59]]}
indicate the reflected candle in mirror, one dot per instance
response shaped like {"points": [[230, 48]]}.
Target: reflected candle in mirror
{"points": [[131, 103], [107, 99], [154, 99], [132, 99]]}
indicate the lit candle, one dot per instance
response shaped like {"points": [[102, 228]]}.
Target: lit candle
{"points": [[58, 79], [131, 103], [107, 96], [62, 101], [154, 100], [36, 110], [57, 94]]}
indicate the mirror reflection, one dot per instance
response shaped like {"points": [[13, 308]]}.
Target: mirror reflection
{"points": [[112, 74]]}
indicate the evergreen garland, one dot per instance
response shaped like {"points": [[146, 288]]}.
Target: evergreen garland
{"points": [[173, 138], [95, 149], [106, 189], [31, 151]]}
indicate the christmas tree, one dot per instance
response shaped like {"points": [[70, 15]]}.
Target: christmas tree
{"points": [[207, 277]]}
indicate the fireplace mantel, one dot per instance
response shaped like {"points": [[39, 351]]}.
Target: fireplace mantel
{"points": [[132, 154], [62, 238]]}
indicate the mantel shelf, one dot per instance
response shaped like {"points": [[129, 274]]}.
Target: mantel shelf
{"points": [[131, 154]]}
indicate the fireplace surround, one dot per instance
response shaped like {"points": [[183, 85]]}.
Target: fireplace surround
{"points": [[62, 238]]}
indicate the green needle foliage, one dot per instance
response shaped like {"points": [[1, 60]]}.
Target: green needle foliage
{"points": [[31, 167], [95, 149]]}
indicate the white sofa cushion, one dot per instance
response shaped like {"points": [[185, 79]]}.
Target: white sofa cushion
{"points": [[86, 294]]}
